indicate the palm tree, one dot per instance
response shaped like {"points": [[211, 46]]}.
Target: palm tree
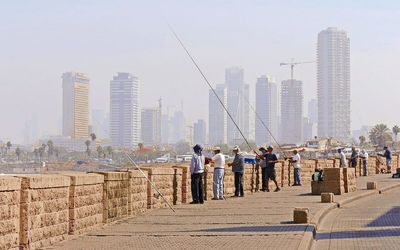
{"points": [[8, 145], [41, 152], [395, 130], [50, 146], [36, 152], [87, 143], [93, 136], [99, 151], [380, 135], [18, 152], [362, 140], [110, 151]]}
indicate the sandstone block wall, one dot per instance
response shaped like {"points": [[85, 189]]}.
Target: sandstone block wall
{"points": [[333, 182], [9, 212], [44, 210], [115, 195], [208, 183], [137, 196], [349, 178], [186, 184], [169, 182], [85, 202]]}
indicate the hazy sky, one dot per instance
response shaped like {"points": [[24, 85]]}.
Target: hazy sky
{"points": [[42, 39]]}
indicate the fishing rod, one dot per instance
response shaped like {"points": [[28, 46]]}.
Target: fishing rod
{"points": [[209, 85], [264, 125], [140, 170]]}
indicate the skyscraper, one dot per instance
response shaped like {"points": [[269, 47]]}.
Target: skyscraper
{"points": [[200, 132], [333, 58], [151, 126], [267, 110], [75, 105], [238, 95], [217, 117], [313, 111], [292, 111], [124, 111], [177, 127]]}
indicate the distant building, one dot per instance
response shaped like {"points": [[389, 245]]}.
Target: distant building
{"points": [[292, 111], [151, 126], [75, 105], [238, 95], [217, 116], [308, 129], [267, 110], [165, 127], [177, 128], [333, 58], [69, 143], [124, 111], [100, 123], [313, 110], [200, 132]]}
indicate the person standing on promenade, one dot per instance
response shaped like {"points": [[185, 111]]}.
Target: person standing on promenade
{"points": [[263, 165], [354, 157], [270, 173], [295, 160], [388, 156], [197, 170], [238, 169], [364, 157], [218, 178], [342, 158]]}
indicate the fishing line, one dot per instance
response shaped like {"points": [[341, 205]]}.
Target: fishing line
{"points": [[209, 85]]}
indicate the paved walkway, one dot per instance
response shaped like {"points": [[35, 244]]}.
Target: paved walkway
{"points": [[364, 224], [257, 221]]}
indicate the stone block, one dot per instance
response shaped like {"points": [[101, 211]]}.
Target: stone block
{"points": [[327, 197], [333, 174], [301, 215], [80, 179], [371, 185], [44, 181], [8, 183]]}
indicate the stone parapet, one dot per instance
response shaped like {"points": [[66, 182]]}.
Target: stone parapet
{"points": [[9, 212]]}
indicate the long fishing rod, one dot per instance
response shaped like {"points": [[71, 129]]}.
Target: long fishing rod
{"points": [[265, 126], [141, 171], [209, 85]]}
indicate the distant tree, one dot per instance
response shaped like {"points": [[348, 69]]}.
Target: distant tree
{"points": [[50, 146], [18, 152], [36, 153], [110, 151], [41, 151], [99, 150], [140, 145], [93, 137], [380, 135], [8, 145], [87, 143], [362, 140], [247, 148], [395, 130], [182, 147]]}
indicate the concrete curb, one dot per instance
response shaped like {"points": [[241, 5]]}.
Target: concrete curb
{"points": [[312, 228]]}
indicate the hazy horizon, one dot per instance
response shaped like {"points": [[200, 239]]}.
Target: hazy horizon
{"points": [[43, 39]]}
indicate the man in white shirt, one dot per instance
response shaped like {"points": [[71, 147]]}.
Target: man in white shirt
{"points": [[297, 168], [342, 158], [364, 157], [218, 179]]}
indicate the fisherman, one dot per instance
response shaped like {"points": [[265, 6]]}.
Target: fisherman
{"points": [[354, 157], [197, 170], [388, 156], [295, 160], [263, 166], [238, 169], [270, 173], [364, 157], [342, 158], [218, 179]]}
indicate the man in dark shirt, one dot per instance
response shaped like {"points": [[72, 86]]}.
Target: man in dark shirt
{"points": [[388, 157], [238, 169], [354, 157], [270, 173]]}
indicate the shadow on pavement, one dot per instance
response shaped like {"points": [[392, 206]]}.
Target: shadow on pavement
{"points": [[359, 234], [300, 228], [390, 219]]}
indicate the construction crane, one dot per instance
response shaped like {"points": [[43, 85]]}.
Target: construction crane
{"points": [[292, 64]]}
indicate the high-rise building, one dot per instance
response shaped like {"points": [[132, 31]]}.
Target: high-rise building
{"points": [[165, 128], [217, 117], [267, 110], [151, 126], [238, 97], [292, 111], [200, 132], [313, 111], [124, 111], [75, 105], [333, 76], [177, 128]]}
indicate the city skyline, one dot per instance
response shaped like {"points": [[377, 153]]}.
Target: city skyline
{"points": [[42, 44]]}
